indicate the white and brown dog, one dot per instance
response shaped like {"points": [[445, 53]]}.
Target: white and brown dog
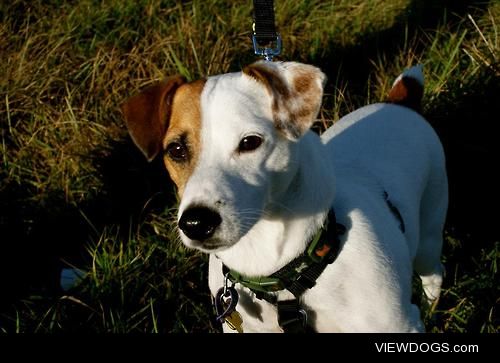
{"points": [[256, 185]]}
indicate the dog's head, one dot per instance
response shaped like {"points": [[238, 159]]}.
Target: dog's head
{"points": [[228, 142]]}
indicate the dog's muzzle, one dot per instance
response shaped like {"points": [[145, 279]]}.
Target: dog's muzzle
{"points": [[199, 223]]}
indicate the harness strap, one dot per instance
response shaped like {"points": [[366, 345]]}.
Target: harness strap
{"points": [[307, 279], [297, 276], [292, 318], [329, 243]]}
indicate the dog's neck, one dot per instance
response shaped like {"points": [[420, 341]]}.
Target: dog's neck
{"points": [[290, 220]]}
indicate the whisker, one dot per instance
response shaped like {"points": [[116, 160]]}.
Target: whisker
{"points": [[281, 205]]}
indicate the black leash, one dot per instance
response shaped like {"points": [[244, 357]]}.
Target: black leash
{"points": [[266, 40]]}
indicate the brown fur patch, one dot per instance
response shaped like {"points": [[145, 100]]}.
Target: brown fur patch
{"points": [[407, 92], [295, 104], [185, 126], [269, 78], [303, 83], [147, 115]]}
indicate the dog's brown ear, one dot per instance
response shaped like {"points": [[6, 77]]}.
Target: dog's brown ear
{"points": [[147, 115], [296, 90]]}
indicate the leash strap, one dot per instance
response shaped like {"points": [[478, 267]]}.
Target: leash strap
{"points": [[264, 29], [266, 41]]}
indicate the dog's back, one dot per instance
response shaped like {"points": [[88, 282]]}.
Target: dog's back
{"points": [[389, 150]]}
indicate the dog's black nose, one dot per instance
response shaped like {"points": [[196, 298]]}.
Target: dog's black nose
{"points": [[199, 223]]}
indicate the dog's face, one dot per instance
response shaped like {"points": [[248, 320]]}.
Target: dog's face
{"points": [[229, 143]]}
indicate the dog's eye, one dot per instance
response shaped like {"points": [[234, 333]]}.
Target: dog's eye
{"points": [[177, 151], [249, 143]]}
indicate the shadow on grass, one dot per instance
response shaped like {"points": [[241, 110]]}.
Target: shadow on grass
{"points": [[467, 124], [36, 236]]}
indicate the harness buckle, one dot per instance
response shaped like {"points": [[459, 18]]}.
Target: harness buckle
{"points": [[270, 50], [292, 318]]}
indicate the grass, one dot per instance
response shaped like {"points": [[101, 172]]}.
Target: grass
{"points": [[74, 190]]}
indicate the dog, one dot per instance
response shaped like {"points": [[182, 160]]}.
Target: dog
{"points": [[256, 185]]}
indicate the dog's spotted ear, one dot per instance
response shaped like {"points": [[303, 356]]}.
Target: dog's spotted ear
{"points": [[147, 115], [296, 90]]}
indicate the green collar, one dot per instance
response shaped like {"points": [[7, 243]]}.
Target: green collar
{"points": [[301, 273]]}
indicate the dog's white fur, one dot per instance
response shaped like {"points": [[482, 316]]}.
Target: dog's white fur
{"points": [[273, 199]]}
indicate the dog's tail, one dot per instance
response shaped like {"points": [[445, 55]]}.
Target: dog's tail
{"points": [[408, 89]]}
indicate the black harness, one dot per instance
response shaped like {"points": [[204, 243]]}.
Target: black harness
{"points": [[297, 276]]}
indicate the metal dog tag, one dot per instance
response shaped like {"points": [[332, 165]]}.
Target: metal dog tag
{"points": [[234, 321]]}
